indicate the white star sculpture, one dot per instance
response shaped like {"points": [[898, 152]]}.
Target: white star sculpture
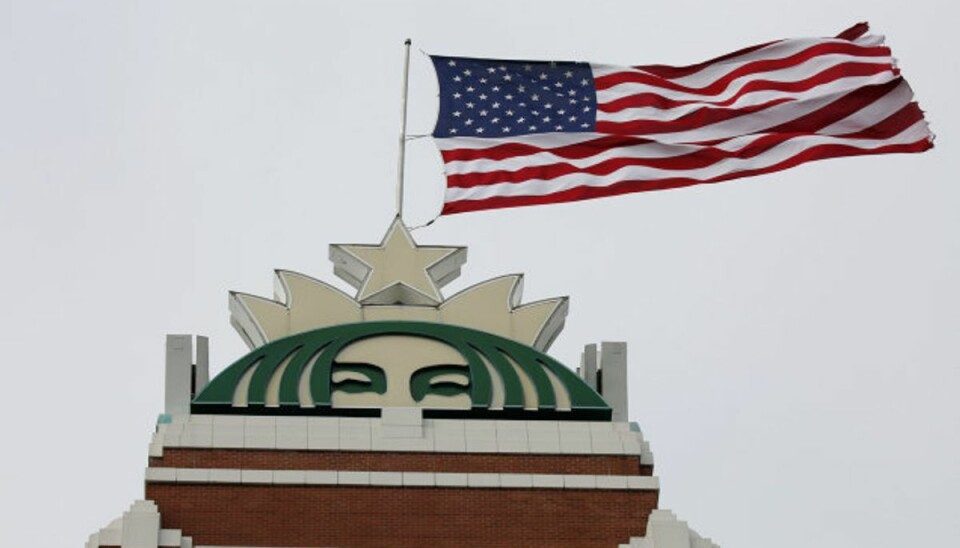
{"points": [[398, 271]]}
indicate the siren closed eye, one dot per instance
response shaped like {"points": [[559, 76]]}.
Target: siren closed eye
{"points": [[442, 380], [357, 378]]}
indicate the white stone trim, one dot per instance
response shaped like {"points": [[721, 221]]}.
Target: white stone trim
{"points": [[139, 527], [401, 430], [398, 479], [664, 530]]}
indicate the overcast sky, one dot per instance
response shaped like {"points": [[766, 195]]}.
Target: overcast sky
{"points": [[793, 344]]}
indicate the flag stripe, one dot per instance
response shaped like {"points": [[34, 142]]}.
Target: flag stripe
{"points": [[658, 156], [774, 156], [630, 186], [778, 114], [713, 84], [651, 105], [628, 129], [817, 74]]}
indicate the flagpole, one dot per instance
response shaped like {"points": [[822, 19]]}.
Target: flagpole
{"points": [[403, 127]]}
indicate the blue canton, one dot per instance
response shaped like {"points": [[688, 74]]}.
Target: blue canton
{"points": [[490, 98]]}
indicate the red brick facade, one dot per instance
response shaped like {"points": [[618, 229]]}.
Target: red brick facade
{"points": [[620, 465], [378, 517]]}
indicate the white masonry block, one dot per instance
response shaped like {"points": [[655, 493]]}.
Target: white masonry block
{"points": [[173, 538], [225, 475], [643, 483], [588, 365], [201, 374], [321, 477], [545, 446], [289, 477], [518, 481], [141, 526], [483, 480], [193, 475], [418, 479], [482, 444], [156, 449], [447, 426], [157, 475], [292, 433], [186, 372], [579, 482], [451, 479], [386, 478], [179, 370], [611, 482], [613, 367], [401, 416], [228, 436], [665, 531], [353, 478], [170, 538], [197, 435], [547, 481], [256, 476]]}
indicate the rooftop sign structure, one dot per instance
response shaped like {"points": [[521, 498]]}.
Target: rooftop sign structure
{"points": [[399, 343], [444, 415]]}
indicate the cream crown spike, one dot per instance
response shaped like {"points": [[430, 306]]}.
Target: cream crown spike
{"points": [[396, 280]]}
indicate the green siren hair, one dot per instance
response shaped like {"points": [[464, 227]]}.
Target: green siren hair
{"points": [[295, 376]]}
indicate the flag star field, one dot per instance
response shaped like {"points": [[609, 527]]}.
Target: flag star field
{"points": [[486, 98]]}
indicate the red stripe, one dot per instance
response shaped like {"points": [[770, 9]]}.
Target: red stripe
{"points": [[624, 187], [855, 31], [837, 110], [512, 150], [704, 157], [763, 65], [892, 125]]}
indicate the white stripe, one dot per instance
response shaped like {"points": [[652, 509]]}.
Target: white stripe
{"points": [[836, 87], [534, 139], [795, 73], [784, 151], [870, 40], [715, 71]]}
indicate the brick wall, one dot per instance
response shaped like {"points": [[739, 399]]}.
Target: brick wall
{"points": [[377, 517], [252, 459]]}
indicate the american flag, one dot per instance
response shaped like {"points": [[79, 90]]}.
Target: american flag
{"points": [[516, 133]]}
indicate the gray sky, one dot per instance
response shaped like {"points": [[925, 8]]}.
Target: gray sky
{"points": [[792, 337]]}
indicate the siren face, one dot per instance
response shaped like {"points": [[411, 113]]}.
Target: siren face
{"points": [[362, 367], [400, 371]]}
